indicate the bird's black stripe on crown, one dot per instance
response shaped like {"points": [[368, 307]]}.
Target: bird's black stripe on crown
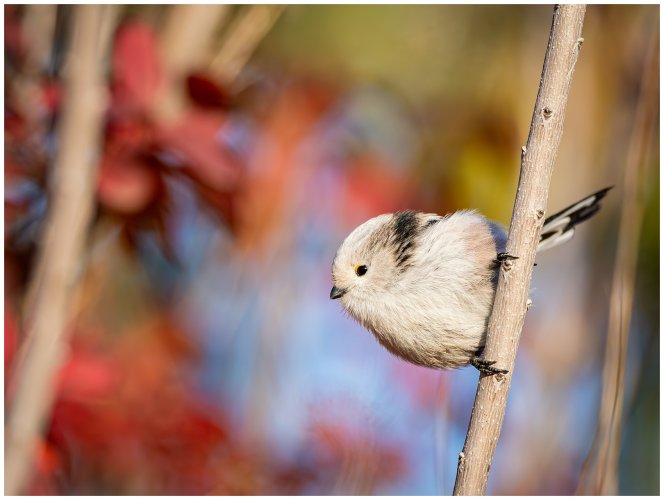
{"points": [[406, 228]]}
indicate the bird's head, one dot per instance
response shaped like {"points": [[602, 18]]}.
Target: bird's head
{"points": [[371, 259]]}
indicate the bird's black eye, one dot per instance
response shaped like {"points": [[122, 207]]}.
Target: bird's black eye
{"points": [[361, 270]]}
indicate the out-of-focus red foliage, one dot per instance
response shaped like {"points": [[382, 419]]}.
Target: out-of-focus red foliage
{"points": [[285, 125], [128, 184], [337, 443], [127, 417], [127, 421], [207, 93], [194, 139], [143, 152], [136, 72], [14, 39], [140, 152], [392, 189], [129, 411]]}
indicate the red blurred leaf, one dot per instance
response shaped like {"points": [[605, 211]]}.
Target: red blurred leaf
{"points": [[51, 95], [16, 127], [205, 92], [196, 427], [90, 428], [128, 186], [15, 45], [48, 462], [48, 459], [128, 135], [195, 141], [136, 69], [372, 187], [86, 376]]}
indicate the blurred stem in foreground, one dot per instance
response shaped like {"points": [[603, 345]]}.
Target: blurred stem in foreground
{"points": [[242, 39], [510, 303], [40, 20], [60, 255], [184, 43], [602, 477]]}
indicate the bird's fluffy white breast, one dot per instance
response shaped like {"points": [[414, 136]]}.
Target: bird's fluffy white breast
{"points": [[435, 314]]}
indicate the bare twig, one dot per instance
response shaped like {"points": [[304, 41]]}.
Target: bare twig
{"points": [[187, 35], [40, 23], [25, 85], [58, 265], [509, 309], [243, 37], [602, 479], [184, 45]]}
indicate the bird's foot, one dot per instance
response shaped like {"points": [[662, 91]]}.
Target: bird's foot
{"points": [[486, 367], [504, 257]]}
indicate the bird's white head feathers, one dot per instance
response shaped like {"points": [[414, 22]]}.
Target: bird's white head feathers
{"points": [[364, 265], [372, 259]]}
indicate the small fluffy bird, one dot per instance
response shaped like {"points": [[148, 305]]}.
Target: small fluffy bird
{"points": [[424, 284]]}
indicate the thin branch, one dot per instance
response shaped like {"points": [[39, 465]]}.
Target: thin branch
{"points": [[510, 304], [242, 40], [603, 478], [40, 23], [61, 249], [184, 44], [25, 84]]}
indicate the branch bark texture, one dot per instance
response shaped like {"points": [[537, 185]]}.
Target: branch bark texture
{"points": [[510, 304], [60, 256]]}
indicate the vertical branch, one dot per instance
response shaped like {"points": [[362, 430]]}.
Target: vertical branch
{"points": [[25, 85], [509, 308], [62, 245], [243, 37], [40, 23], [186, 36], [603, 480]]}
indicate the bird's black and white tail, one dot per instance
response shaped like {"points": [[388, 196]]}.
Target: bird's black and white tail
{"points": [[559, 227]]}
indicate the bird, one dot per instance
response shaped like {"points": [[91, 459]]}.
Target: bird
{"points": [[424, 284]]}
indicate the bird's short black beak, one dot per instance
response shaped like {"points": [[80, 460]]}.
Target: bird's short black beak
{"points": [[336, 293]]}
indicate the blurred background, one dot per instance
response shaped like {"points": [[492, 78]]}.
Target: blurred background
{"points": [[239, 146]]}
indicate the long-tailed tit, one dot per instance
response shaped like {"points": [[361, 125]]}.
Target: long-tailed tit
{"points": [[424, 284]]}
